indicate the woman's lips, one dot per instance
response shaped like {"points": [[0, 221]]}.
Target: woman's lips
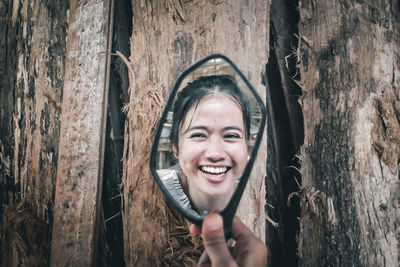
{"points": [[214, 174]]}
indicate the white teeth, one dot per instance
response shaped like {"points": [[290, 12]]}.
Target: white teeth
{"points": [[214, 170]]}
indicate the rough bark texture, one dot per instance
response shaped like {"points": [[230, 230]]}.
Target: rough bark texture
{"points": [[32, 56], [80, 164], [167, 37], [350, 76]]}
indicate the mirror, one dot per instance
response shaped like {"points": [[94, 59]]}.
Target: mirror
{"points": [[207, 139]]}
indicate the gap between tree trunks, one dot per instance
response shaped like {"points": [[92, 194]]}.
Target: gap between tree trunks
{"points": [[285, 135]]}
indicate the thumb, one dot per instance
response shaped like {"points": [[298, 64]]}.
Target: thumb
{"points": [[214, 240]]}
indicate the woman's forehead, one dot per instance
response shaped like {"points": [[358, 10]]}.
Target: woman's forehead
{"points": [[220, 103], [215, 99]]}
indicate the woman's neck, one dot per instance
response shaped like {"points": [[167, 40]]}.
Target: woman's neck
{"points": [[202, 203], [205, 204]]}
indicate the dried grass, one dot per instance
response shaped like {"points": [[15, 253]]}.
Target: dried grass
{"points": [[274, 223], [183, 249], [144, 215], [317, 204]]}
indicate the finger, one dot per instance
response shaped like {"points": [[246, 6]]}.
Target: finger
{"points": [[194, 229], [216, 210], [214, 240], [204, 260], [240, 230], [250, 249]]}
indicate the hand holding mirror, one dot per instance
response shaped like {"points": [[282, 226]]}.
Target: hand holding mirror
{"points": [[207, 140]]}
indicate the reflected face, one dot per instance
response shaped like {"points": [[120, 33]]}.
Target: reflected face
{"points": [[212, 150]]}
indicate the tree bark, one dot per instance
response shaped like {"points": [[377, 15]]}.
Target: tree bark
{"points": [[32, 56], [167, 37], [82, 132], [350, 76]]}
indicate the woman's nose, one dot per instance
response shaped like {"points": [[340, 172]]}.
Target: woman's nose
{"points": [[215, 150]]}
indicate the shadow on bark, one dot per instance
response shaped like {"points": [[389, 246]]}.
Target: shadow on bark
{"points": [[111, 247], [285, 135]]}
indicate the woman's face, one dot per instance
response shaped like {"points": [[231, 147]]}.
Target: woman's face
{"points": [[212, 149]]}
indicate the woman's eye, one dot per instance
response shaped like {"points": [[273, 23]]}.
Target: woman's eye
{"points": [[198, 135], [232, 136]]}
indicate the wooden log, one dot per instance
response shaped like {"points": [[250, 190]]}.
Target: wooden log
{"points": [[79, 172], [167, 37], [32, 56], [350, 76]]}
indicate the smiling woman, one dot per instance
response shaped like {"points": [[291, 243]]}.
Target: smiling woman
{"points": [[210, 128]]}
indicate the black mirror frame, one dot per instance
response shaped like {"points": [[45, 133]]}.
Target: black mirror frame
{"points": [[229, 211]]}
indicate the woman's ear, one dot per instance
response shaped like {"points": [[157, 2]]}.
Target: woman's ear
{"points": [[175, 151]]}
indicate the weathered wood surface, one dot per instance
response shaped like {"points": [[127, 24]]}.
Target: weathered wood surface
{"points": [[32, 56], [79, 172], [350, 75], [167, 37]]}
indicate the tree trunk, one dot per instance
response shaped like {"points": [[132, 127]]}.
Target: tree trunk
{"points": [[350, 76], [32, 56], [167, 37], [82, 133]]}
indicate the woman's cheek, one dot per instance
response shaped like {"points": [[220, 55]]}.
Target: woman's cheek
{"points": [[239, 151]]}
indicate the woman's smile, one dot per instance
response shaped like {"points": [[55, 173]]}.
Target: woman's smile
{"points": [[214, 174], [214, 170]]}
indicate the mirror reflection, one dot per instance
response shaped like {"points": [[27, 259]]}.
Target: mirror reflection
{"points": [[207, 138]]}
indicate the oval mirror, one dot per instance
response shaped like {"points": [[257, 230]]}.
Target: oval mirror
{"points": [[207, 139]]}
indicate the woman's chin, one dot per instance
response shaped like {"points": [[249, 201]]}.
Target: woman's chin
{"points": [[218, 195]]}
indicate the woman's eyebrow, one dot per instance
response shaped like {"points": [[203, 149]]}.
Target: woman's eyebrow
{"points": [[228, 128], [199, 127], [233, 128]]}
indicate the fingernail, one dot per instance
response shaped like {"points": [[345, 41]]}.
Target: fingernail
{"points": [[214, 222]]}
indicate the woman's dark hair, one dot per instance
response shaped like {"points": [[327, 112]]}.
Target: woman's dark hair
{"points": [[192, 94]]}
